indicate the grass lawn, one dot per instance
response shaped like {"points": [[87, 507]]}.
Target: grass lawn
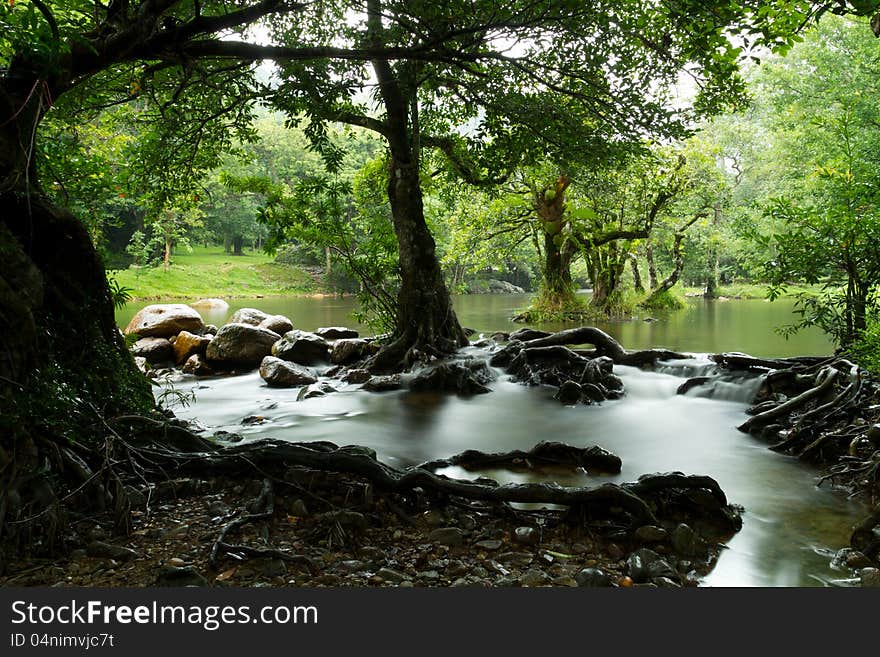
{"points": [[212, 272], [750, 290]]}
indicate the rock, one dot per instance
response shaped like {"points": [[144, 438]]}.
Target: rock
{"points": [[195, 364], [154, 350], [357, 376], [383, 383], [315, 390], [489, 544], [270, 568], [569, 393], [527, 535], [461, 377], [873, 435], [666, 583], [216, 305], [241, 344], [164, 320], [298, 508], [250, 316], [650, 534], [686, 542], [534, 577], [500, 336], [142, 364], [345, 519], [188, 344], [277, 323], [336, 333], [503, 287], [279, 373], [349, 350], [185, 576], [302, 347], [644, 565], [434, 518], [592, 577], [869, 577], [101, 550], [390, 575], [451, 536], [526, 334], [515, 559], [210, 330]]}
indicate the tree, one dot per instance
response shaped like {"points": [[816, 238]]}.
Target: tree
{"points": [[490, 84]]}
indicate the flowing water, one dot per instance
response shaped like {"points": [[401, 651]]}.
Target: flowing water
{"points": [[789, 524]]}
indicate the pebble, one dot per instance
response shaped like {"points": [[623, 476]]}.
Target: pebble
{"points": [[103, 550], [451, 536], [650, 534], [390, 575], [527, 535], [534, 577], [406, 584], [686, 542], [592, 577], [490, 544], [515, 559], [299, 509], [434, 518], [186, 576], [870, 577], [176, 561]]}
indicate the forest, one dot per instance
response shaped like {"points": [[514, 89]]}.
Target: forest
{"points": [[508, 228]]}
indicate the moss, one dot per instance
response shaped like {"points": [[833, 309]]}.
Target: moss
{"points": [[665, 300]]}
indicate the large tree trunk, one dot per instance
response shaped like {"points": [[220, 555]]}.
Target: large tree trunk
{"points": [[237, 245], [62, 360], [549, 204], [712, 281]]}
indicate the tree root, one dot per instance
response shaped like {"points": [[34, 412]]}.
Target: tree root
{"points": [[544, 454]]}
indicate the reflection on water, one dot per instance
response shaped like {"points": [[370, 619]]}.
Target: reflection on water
{"points": [[788, 521]]}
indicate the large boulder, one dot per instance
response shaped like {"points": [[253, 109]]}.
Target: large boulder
{"points": [[186, 344], [163, 320], [349, 350], [241, 344], [215, 305], [302, 347], [250, 316], [336, 333], [503, 287], [278, 323], [154, 350], [283, 374]]}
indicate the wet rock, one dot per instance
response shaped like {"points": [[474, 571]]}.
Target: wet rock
{"points": [[350, 350], [434, 518], [650, 534], [460, 377], [270, 568], [164, 320], [188, 344], [315, 390], [180, 576], [383, 383], [869, 577], [389, 575], [357, 376], [451, 536], [101, 550], [210, 330], [666, 583], [336, 333], [873, 435], [277, 323], [250, 316], [352, 565], [569, 393], [283, 374], [196, 365], [154, 350], [302, 347], [686, 542], [527, 535], [592, 577], [644, 565], [500, 336], [142, 364], [534, 577], [241, 344]]}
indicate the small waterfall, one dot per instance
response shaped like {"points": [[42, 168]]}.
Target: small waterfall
{"points": [[721, 384]]}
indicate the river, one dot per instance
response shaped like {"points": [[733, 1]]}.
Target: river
{"points": [[790, 525]]}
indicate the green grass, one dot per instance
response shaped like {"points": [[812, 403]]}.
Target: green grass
{"points": [[209, 272], [749, 290]]}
